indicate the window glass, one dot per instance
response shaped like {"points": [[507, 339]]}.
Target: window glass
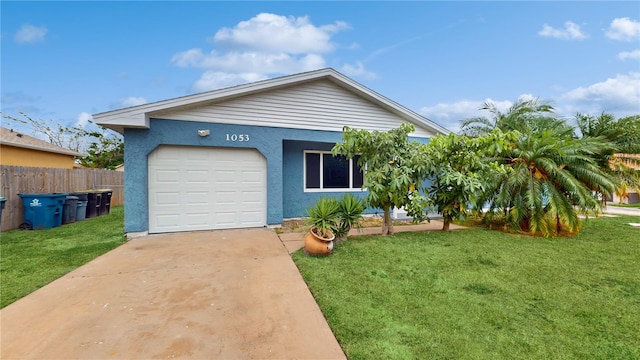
{"points": [[335, 171], [358, 176], [324, 171], [313, 170]]}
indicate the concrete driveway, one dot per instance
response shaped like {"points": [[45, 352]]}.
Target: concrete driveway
{"points": [[229, 294]]}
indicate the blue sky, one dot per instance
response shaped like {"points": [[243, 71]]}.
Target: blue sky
{"points": [[67, 60]]}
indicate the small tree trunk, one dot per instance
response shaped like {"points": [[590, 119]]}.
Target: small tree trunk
{"points": [[445, 224], [387, 224]]}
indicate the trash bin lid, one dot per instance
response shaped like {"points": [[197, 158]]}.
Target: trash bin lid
{"points": [[2, 198], [72, 198]]}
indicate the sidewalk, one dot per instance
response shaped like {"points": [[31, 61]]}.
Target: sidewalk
{"points": [[294, 241], [618, 210]]}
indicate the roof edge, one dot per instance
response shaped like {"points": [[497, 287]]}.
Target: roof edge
{"points": [[34, 147]]}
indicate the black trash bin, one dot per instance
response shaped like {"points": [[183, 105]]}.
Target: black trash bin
{"points": [[93, 204], [81, 212], [69, 210], [105, 203]]}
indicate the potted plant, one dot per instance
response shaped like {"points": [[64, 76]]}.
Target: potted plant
{"points": [[350, 209], [322, 223]]}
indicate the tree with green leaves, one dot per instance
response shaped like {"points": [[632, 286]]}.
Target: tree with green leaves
{"points": [[620, 159], [101, 148], [549, 174], [525, 115], [458, 167], [394, 170], [106, 153]]}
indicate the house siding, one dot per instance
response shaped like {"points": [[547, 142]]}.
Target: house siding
{"points": [[268, 141], [280, 118], [10, 155], [295, 200], [319, 105], [282, 148]]}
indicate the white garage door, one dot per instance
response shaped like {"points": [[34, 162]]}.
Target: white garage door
{"points": [[199, 188]]}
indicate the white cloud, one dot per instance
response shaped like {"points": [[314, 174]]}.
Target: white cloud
{"points": [[619, 96], [257, 62], [30, 34], [624, 29], [621, 93], [191, 57], [261, 47], [132, 101], [633, 55], [358, 70], [83, 120], [276, 33], [451, 115], [211, 80], [571, 31]]}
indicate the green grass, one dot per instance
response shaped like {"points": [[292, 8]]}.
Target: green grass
{"points": [[31, 259], [481, 294]]}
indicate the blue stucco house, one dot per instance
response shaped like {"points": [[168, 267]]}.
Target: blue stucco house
{"points": [[249, 155]]}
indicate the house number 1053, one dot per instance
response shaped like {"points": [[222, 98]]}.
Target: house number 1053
{"points": [[238, 137]]}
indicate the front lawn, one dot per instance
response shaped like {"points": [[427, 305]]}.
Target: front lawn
{"points": [[32, 259], [481, 294]]}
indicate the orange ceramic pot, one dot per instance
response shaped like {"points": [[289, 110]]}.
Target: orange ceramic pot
{"points": [[316, 245]]}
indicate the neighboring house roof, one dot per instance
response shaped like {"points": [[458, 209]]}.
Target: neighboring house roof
{"points": [[15, 138], [139, 116]]}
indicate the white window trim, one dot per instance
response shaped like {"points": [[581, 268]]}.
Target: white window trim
{"points": [[321, 189]]}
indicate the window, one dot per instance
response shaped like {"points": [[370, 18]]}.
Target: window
{"points": [[324, 172]]}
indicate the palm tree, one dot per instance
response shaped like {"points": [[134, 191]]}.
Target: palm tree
{"points": [[620, 159], [525, 115], [549, 174]]}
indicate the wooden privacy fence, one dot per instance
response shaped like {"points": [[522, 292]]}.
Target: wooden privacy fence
{"points": [[37, 180]]}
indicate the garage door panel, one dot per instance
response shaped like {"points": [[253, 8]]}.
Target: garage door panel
{"points": [[252, 177], [226, 219], [198, 188], [227, 176], [252, 197], [167, 176], [252, 216], [197, 219], [166, 198], [197, 198], [226, 197], [197, 176], [172, 220]]}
